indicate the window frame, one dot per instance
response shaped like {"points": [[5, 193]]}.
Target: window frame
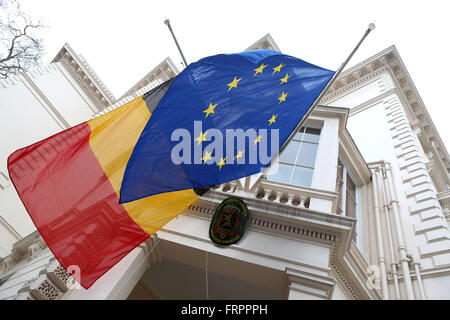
{"points": [[301, 141], [343, 199]]}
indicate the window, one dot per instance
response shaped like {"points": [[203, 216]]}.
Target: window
{"points": [[339, 186], [348, 195], [296, 163], [350, 200]]}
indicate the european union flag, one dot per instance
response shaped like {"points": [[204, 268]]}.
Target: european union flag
{"points": [[223, 118]]}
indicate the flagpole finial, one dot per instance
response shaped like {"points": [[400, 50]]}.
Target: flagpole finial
{"points": [[167, 23], [322, 93]]}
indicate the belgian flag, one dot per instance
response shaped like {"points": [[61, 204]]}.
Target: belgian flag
{"points": [[70, 185], [99, 189]]}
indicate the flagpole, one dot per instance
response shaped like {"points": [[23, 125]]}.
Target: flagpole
{"points": [[167, 23], [329, 84], [201, 191]]}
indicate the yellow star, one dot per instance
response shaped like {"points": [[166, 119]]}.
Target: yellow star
{"points": [[239, 155], [207, 156], [221, 163], [278, 69], [201, 137], [260, 69], [272, 120], [285, 79], [283, 97], [210, 109], [233, 84], [257, 140]]}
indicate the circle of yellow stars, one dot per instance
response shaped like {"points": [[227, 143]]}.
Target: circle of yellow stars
{"points": [[233, 85]]}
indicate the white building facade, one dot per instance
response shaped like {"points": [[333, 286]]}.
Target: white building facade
{"points": [[358, 209]]}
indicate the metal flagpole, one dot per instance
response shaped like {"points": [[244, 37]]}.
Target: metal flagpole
{"points": [[371, 27], [330, 83], [167, 23]]}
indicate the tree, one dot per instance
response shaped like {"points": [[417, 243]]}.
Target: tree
{"points": [[20, 48]]}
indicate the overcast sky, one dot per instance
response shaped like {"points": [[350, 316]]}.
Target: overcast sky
{"points": [[124, 40]]}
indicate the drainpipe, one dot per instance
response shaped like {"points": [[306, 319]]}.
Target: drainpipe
{"points": [[381, 259], [400, 238], [419, 279], [389, 232]]}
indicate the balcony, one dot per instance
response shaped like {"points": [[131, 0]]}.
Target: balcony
{"points": [[287, 194]]}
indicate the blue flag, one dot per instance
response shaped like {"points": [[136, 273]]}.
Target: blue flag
{"points": [[223, 118]]}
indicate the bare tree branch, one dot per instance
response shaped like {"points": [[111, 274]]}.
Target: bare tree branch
{"points": [[20, 48]]}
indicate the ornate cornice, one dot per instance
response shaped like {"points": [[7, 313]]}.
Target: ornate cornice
{"points": [[278, 214], [270, 224], [85, 77], [369, 70], [265, 42], [346, 85], [161, 73]]}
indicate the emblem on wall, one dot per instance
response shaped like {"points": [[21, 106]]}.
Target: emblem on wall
{"points": [[229, 222]]}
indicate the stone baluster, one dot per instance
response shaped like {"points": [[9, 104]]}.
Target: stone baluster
{"points": [[267, 194], [278, 196], [290, 199], [303, 199]]}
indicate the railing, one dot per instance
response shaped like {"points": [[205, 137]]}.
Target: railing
{"points": [[267, 190]]}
